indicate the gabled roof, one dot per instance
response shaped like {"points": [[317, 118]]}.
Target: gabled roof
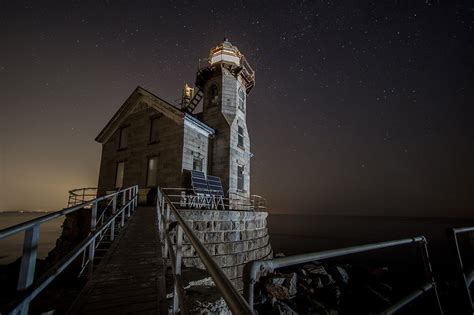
{"points": [[138, 96]]}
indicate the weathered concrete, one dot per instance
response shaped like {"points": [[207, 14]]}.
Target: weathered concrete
{"points": [[232, 237]]}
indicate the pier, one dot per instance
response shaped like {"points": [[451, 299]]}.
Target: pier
{"points": [[131, 277]]}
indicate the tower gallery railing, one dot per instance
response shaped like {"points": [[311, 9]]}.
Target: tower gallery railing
{"points": [[27, 289], [166, 211]]}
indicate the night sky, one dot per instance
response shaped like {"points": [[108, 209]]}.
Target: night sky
{"points": [[361, 107]]}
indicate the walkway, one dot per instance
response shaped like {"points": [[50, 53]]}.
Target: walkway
{"points": [[130, 278]]}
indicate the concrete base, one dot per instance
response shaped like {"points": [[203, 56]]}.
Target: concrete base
{"points": [[232, 237]]}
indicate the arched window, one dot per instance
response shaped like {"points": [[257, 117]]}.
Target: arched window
{"points": [[241, 99], [214, 95]]}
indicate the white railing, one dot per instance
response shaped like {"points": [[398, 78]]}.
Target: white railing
{"points": [[27, 289], [81, 195], [186, 198], [166, 211]]}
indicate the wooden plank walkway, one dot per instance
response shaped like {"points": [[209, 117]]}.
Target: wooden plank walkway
{"points": [[131, 277]]}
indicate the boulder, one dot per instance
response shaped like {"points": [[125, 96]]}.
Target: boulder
{"points": [[291, 283], [339, 274], [277, 291]]}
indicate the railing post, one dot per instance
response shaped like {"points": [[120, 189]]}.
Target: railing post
{"points": [[135, 203], [28, 259], [165, 228], [92, 244], [94, 216], [158, 211], [122, 221], [124, 198], [429, 272], [179, 255], [112, 225]]}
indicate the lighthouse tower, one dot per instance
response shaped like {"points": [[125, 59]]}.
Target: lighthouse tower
{"points": [[224, 82]]}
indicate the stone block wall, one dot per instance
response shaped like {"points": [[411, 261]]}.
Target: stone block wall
{"points": [[233, 238], [168, 149]]}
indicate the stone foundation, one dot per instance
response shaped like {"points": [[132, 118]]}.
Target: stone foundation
{"points": [[232, 237]]}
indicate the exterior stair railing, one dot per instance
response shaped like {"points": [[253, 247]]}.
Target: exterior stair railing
{"points": [[168, 215], [27, 289]]}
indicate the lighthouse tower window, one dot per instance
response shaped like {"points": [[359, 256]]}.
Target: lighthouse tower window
{"points": [[240, 137], [240, 178], [214, 95], [197, 164], [241, 100]]}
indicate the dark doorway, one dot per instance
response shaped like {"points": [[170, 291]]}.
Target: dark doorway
{"points": [[151, 197]]}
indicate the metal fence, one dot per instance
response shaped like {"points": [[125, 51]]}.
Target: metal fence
{"points": [[466, 273], [185, 198], [27, 289], [256, 269], [81, 195], [166, 211]]}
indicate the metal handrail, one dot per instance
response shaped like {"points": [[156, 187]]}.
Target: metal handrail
{"points": [[255, 269], [27, 290], [466, 275], [54, 215], [179, 197], [165, 208], [80, 195]]}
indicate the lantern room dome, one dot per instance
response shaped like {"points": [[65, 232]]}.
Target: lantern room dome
{"points": [[225, 52]]}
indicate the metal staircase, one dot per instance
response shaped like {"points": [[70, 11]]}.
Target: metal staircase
{"points": [[194, 102]]}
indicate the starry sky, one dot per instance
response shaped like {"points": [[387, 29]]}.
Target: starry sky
{"points": [[360, 107]]}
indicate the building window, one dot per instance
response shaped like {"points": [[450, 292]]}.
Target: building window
{"points": [[123, 138], [152, 173], [197, 164], [153, 130], [241, 100], [119, 174], [240, 137], [240, 178], [214, 95]]}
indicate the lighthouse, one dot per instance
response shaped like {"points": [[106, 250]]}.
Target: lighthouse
{"points": [[224, 81]]}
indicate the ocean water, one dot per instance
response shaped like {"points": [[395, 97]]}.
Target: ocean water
{"points": [[11, 247], [290, 234], [296, 234]]}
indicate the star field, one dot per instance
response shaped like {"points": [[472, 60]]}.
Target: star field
{"points": [[359, 107]]}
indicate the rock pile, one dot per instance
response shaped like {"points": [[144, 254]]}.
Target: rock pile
{"points": [[318, 288]]}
